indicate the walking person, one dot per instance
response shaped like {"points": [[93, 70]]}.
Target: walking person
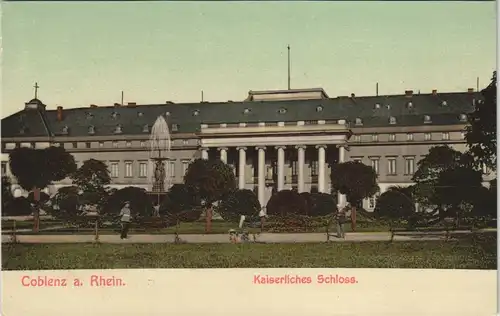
{"points": [[262, 216], [125, 218], [341, 219]]}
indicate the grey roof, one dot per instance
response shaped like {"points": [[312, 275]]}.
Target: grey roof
{"points": [[40, 122]]}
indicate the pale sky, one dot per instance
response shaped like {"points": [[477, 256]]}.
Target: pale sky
{"points": [[84, 53]]}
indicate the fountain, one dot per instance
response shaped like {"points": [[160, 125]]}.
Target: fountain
{"points": [[160, 151]]}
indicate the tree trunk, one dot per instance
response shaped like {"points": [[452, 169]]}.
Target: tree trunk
{"points": [[36, 215], [208, 218], [353, 218]]}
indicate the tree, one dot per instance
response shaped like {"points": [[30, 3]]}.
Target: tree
{"points": [[92, 178], [34, 169], [481, 133], [140, 203], [357, 181], [437, 160], [394, 204], [286, 202], [237, 203], [181, 204], [212, 181], [458, 188]]}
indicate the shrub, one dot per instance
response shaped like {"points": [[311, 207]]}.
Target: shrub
{"points": [[322, 204], [18, 207], [286, 202], [394, 205], [237, 203]]}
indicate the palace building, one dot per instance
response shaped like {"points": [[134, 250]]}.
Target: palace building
{"points": [[274, 140]]}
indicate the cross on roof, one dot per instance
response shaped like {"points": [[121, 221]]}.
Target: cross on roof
{"points": [[36, 86]]}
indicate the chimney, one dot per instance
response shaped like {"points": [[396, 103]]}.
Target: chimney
{"points": [[131, 104], [409, 93], [470, 90], [117, 105], [93, 106], [59, 113], [353, 95], [434, 92]]}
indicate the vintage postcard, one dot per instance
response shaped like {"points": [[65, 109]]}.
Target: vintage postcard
{"points": [[279, 158]]}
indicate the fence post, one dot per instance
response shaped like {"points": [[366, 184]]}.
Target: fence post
{"points": [[14, 237]]}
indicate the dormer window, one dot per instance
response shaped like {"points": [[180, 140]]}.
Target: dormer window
{"points": [[463, 118], [377, 105], [196, 112], [65, 130], [91, 130], [114, 115], [410, 105], [22, 130], [140, 114], [167, 113], [427, 119], [118, 129], [145, 128], [175, 127], [359, 121], [282, 111], [444, 103], [392, 120], [247, 111], [388, 106], [319, 108], [89, 116]]}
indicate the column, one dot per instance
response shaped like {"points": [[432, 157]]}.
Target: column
{"points": [[204, 153], [261, 174], [241, 167], [281, 167], [341, 197], [321, 168], [300, 166], [223, 154]]}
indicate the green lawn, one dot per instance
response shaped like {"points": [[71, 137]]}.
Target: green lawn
{"points": [[218, 227], [473, 253]]}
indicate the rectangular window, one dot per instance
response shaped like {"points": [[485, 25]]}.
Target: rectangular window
{"points": [[391, 166], [371, 202], [462, 134], [185, 166], [314, 168], [409, 165], [185, 142], [357, 159], [392, 137], [409, 137], [294, 168], [357, 138], [143, 143], [114, 169], [374, 162], [128, 169], [101, 144], [446, 136], [175, 127], [115, 144], [4, 168], [87, 145], [129, 144], [428, 136], [375, 138], [143, 169], [172, 168], [75, 145], [269, 172]]}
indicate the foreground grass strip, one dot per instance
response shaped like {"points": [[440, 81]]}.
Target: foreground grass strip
{"points": [[476, 253]]}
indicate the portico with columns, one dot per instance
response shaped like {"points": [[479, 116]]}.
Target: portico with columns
{"points": [[270, 157]]}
